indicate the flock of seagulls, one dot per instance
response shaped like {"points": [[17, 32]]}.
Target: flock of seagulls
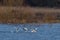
{"points": [[26, 29]]}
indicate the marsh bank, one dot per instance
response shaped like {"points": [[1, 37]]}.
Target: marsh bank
{"points": [[29, 15]]}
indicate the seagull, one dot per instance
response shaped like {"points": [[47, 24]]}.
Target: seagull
{"points": [[25, 29], [33, 30], [17, 29]]}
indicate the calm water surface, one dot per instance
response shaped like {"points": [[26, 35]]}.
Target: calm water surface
{"points": [[30, 31]]}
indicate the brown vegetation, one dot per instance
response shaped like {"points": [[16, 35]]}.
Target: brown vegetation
{"points": [[28, 15]]}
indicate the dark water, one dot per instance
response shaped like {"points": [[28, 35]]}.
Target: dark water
{"points": [[30, 31]]}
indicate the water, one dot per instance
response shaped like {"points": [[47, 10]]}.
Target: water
{"points": [[30, 31]]}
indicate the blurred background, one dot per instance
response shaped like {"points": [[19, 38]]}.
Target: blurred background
{"points": [[39, 3]]}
